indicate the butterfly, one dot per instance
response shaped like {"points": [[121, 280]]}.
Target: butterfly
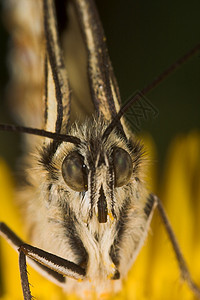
{"points": [[88, 210]]}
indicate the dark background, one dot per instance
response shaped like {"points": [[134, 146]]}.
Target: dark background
{"points": [[144, 38]]}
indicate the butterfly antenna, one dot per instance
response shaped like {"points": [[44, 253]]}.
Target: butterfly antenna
{"points": [[149, 88], [40, 132]]}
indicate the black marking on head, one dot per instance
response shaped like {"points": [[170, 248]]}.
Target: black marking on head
{"points": [[96, 236], [49, 192], [101, 159], [49, 187], [116, 275], [102, 207], [120, 228], [93, 190], [46, 155], [149, 205], [75, 242], [114, 254], [95, 148], [111, 184]]}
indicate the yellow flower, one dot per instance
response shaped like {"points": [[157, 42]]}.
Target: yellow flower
{"points": [[155, 274]]}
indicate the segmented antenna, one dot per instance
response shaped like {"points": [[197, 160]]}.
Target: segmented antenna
{"points": [[122, 111], [40, 132], [149, 88]]}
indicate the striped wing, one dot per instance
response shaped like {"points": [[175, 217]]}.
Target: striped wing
{"points": [[42, 89], [57, 93], [103, 86]]}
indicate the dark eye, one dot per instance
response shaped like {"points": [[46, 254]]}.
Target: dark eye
{"points": [[123, 166], [75, 172]]}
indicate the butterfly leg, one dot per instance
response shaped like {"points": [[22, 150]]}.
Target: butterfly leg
{"points": [[185, 274], [24, 276], [47, 264]]}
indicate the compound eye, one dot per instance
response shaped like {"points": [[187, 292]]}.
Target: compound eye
{"points": [[123, 166], [75, 172]]}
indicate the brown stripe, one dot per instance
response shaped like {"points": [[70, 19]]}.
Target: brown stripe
{"points": [[57, 64], [103, 85]]}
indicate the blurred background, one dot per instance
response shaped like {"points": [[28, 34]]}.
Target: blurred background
{"points": [[143, 38]]}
